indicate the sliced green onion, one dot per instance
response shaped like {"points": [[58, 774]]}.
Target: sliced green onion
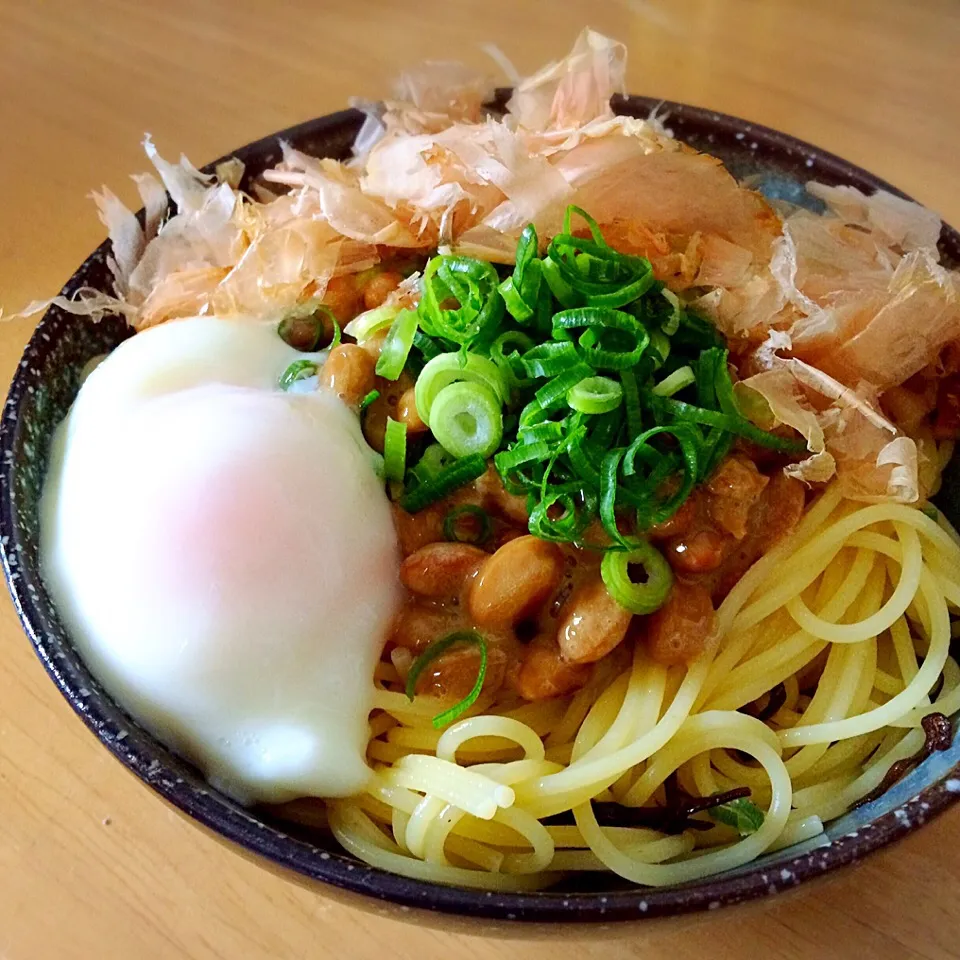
{"points": [[604, 429], [739, 426], [366, 325], [549, 431], [550, 359], [552, 395], [641, 598], [472, 286], [743, 815], [433, 460], [466, 419], [517, 339], [591, 272], [675, 382], [716, 446], [428, 347], [622, 333], [520, 455], [448, 368], [558, 286], [578, 505], [695, 333], [298, 370], [609, 471], [395, 450], [515, 304], [660, 344], [672, 323], [631, 402], [368, 399], [521, 291], [714, 364], [453, 524], [571, 395], [505, 353], [445, 481], [581, 459], [396, 347], [595, 395], [645, 494], [434, 650]]}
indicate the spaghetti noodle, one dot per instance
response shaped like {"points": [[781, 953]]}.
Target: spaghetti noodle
{"points": [[857, 633]]}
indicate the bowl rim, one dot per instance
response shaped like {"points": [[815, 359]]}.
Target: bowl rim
{"points": [[180, 785]]}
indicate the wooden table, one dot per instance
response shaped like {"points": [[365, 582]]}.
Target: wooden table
{"points": [[92, 865]]}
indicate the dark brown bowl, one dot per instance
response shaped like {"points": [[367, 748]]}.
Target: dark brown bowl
{"points": [[46, 383]]}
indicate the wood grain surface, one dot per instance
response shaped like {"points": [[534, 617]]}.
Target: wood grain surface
{"points": [[92, 865]]}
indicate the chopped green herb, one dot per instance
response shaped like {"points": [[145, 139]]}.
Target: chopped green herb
{"points": [[298, 370], [743, 815], [568, 372], [431, 653], [368, 399]]}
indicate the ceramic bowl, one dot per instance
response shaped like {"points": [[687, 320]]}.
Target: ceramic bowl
{"points": [[44, 386]]}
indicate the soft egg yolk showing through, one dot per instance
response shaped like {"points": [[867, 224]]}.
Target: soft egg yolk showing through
{"points": [[223, 555]]}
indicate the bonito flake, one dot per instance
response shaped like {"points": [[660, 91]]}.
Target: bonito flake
{"points": [[824, 312]]}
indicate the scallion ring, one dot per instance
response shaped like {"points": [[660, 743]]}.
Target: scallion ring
{"points": [[641, 598], [680, 378], [595, 395], [563, 513], [467, 524], [672, 324], [443, 482], [617, 339], [433, 460], [448, 368], [609, 486], [516, 339], [581, 458], [731, 423], [591, 272], [428, 347], [521, 455], [366, 325], [505, 352], [298, 370], [469, 284], [395, 450], [550, 359], [521, 291], [631, 402], [431, 653], [643, 492], [549, 431], [396, 346], [466, 419], [660, 345], [552, 395]]}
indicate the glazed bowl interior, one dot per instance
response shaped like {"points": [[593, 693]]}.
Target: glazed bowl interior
{"points": [[43, 389]]}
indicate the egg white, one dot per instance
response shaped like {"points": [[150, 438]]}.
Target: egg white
{"points": [[223, 555]]}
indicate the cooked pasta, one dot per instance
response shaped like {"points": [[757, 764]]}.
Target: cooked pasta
{"points": [[865, 602]]}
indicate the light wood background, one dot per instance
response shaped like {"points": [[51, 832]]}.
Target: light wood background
{"points": [[92, 865]]}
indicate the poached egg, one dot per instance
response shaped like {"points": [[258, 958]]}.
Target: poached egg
{"points": [[223, 556]]}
